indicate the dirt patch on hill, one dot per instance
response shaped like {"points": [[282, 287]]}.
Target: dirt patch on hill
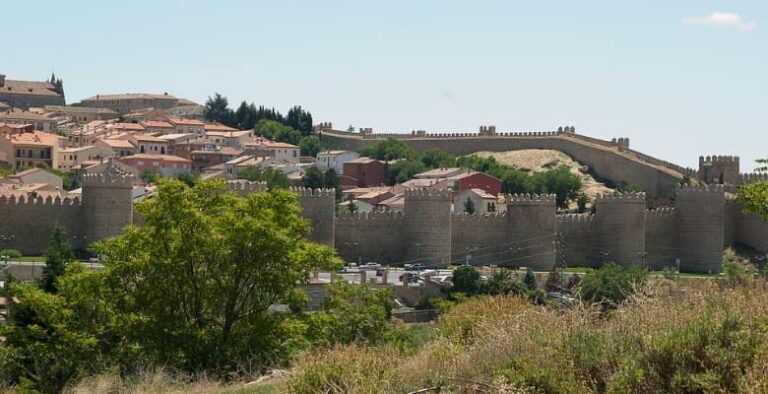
{"points": [[537, 160]]}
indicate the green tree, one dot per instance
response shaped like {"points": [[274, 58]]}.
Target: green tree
{"points": [[313, 178], [388, 149], [436, 158], [611, 284], [469, 206], [310, 146], [466, 279], [352, 313], [188, 178], [274, 178], [216, 109], [560, 182], [150, 177], [403, 170], [530, 279], [581, 203], [276, 131], [300, 120], [194, 284], [753, 197], [57, 258]]}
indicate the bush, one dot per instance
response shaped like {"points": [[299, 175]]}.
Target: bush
{"points": [[611, 284], [11, 253]]}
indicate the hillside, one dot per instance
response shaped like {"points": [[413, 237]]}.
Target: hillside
{"points": [[537, 160]]}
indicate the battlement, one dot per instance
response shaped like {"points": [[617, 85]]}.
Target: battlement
{"points": [[487, 130], [718, 159], [308, 192], [246, 187], [427, 194], [753, 177], [373, 216], [660, 212], [29, 200], [324, 126], [107, 180], [489, 218], [530, 199], [714, 189], [567, 129], [621, 198], [577, 218]]}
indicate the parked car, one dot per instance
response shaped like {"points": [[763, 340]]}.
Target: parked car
{"points": [[370, 266], [415, 267], [350, 268]]}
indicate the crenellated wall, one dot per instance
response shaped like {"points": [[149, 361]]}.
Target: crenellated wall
{"points": [[700, 227], [427, 232], [373, 236], [30, 222], [577, 240], [532, 227], [611, 160], [620, 223], [660, 238]]}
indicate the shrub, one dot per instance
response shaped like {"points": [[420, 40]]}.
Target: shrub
{"points": [[611, 284], [11, 253]]}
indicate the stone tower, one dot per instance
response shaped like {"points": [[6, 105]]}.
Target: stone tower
{"points": [[700, 222], [428, 226], [319, 207], [719, 169], [531, 231], [107, 204], [620, 226]]}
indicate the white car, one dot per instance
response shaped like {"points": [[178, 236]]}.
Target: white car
{"points": [[370, 266]]}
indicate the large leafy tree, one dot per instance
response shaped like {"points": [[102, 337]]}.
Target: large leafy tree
{"points": [[196, 281]]}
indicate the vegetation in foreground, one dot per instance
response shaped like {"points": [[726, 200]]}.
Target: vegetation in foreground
{"points": [[706, 336]]}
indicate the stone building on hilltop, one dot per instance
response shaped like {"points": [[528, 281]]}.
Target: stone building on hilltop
{"points": [[26, 94]]}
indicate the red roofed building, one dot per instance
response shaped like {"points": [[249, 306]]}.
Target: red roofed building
{"points": [[364, 172]]}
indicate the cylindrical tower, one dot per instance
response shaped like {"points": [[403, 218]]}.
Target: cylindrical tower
{"points": [[620, 225], [428, 226], [107, 204]]}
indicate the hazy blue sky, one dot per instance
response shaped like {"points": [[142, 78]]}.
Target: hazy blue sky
{"points": [[680, 78]]}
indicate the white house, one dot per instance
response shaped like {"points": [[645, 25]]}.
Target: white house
{"points": [[334, 159]]}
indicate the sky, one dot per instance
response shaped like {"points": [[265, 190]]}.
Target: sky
{"points": [[679, 78]]}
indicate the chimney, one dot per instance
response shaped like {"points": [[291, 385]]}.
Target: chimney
{"points": [[2, 80]]}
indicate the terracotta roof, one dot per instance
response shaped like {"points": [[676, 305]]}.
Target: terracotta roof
{"points": [[482, 193], [28, 88], [38, 138], [157, 124], [147, 138], [280, 145], [127, 126], [228, 134], [150, 156], [362, 160], [24, 115], [130, 96], [186, 122], [85, 110], [218, 127]]}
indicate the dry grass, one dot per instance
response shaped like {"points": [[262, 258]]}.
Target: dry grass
{"points": [[161, 382], [698, 336]]}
